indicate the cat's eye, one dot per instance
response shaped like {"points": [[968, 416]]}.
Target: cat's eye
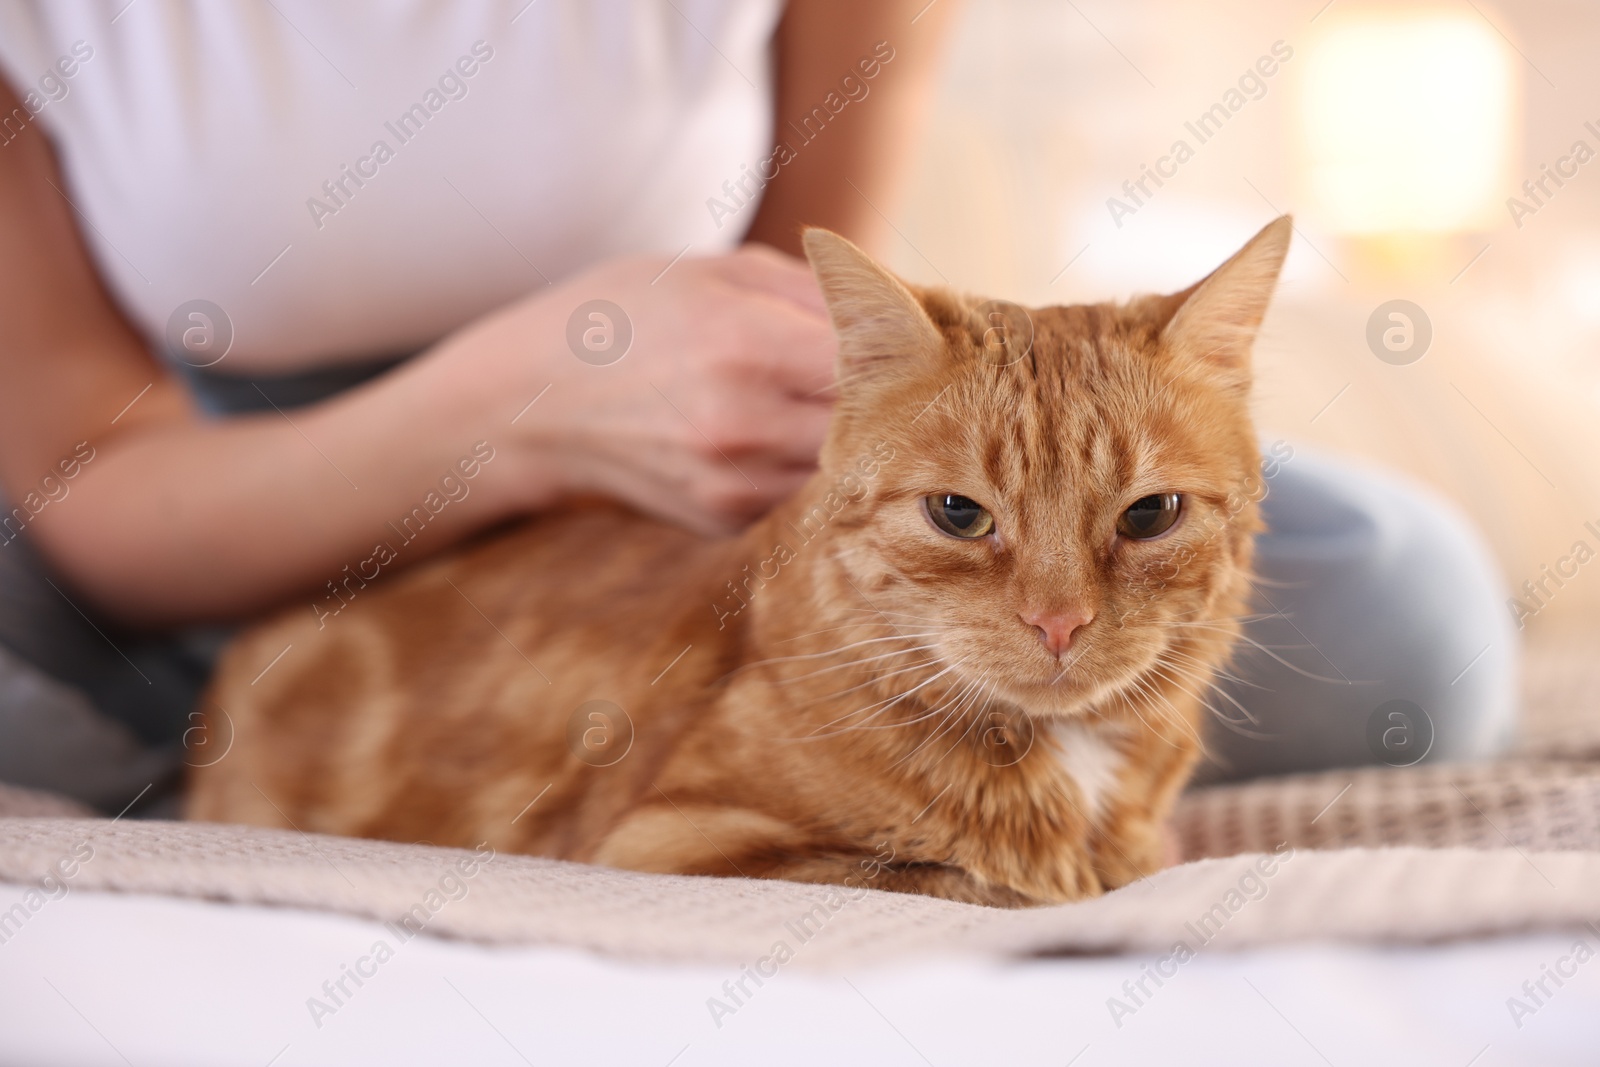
{"points": [[1150, 516], [958, 516]]}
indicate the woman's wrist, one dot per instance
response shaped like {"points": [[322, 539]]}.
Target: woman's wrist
{"points": [[481, 397]]}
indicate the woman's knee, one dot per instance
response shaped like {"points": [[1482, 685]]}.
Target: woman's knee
{"points": [[1381, 633]]}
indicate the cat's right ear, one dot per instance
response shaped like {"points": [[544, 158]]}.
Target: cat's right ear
{"points": [[881, 326], [1215, 325]]}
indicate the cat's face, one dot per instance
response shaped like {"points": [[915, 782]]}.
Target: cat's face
{"points": [[1052, 526]]}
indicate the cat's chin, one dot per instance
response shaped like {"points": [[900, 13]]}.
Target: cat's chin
{"points": [[1045, 701], [1064, 697]]}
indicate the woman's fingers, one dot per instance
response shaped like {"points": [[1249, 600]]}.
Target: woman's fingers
{"points": [[736, 498], [773, 430], [717, 412], [756, 266], [793, 349]]}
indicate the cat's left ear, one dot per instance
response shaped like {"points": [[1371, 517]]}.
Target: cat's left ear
{"points": [[1216, 324], [882, 327]]}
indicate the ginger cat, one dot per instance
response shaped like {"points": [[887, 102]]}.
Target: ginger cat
{"points": [[967, 660]]}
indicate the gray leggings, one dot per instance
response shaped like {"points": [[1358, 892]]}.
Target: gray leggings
{"points": [[1380, 636]]}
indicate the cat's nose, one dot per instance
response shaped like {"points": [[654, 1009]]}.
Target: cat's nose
{"points": [[1057, 627]]}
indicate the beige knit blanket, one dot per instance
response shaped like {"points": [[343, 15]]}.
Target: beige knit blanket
{"points": [[1382, 855]]}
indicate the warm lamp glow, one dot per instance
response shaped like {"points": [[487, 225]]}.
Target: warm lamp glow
{"points": [[1408, 122]]}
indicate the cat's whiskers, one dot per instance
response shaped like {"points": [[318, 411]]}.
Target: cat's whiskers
{"points": [[1200, 665], [1235, 725], [951, 712], [832, 697], [830, 652], [973, 720], [1260, 616], [933, 711], [889, 702], [1142, 687], [892, 702], [1133, 705], [1206, 683], [1178, 717], [878, 669], [826, 630], [857, 623], [1146, 689], [1275, 583], [855, 663], [874, 681], [899, 615], [1225, 631], [1247, 716], [864, 725]]}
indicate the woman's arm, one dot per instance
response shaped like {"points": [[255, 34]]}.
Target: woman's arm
{"points": [[847, 169], [180, 518]]}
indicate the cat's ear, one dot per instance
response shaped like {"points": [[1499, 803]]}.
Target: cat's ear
{"points": [[1216, 323], [882, 328]]}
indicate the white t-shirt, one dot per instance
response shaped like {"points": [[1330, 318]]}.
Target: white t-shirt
{"points": [[352, 180]]}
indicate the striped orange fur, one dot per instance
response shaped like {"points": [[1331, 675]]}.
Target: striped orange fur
{"points": [[842, 693]]}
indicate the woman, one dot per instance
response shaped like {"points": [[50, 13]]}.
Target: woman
{"points": [[270, 271]]}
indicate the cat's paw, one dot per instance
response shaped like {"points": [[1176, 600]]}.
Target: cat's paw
{"points": [[953, 883], [1135, 850]]}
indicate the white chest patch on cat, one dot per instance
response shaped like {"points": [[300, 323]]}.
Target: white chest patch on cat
{"points": [[1091, 760]]}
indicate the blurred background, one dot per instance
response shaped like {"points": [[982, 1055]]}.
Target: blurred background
{"points": [[1396, 134]]}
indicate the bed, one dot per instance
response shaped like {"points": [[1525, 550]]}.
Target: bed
{"points": [[1433, 914]]}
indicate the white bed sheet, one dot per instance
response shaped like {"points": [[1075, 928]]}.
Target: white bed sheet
{"points": [[104, 978]]}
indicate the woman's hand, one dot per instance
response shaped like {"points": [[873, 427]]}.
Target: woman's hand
{"points": [[712, 413]]}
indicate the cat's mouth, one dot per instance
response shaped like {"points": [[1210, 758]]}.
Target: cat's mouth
{"points": [[1081, 681]]}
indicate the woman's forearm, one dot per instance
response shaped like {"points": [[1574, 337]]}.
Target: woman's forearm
{"points": [[708, 413], [187, 520]]}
